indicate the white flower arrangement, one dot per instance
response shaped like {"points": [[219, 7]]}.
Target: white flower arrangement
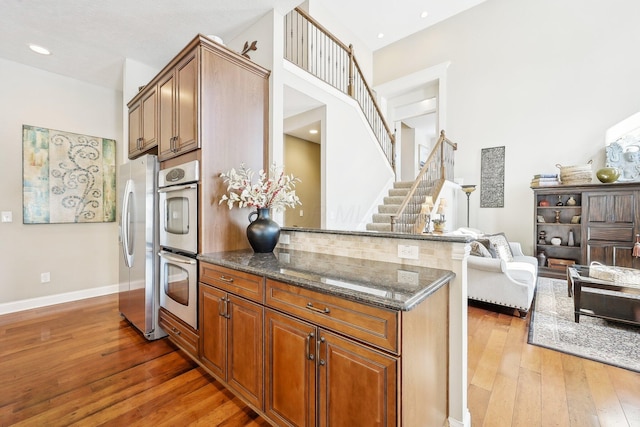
{"points": [[274, 192]]}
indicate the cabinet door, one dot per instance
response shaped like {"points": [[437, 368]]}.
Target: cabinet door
{"points": [[135, 120], [149, 119], [290, 370], [166, 114], [612, 253], [357, 385], [186, 131], [213, 330], [244, 349], [616, 208]]}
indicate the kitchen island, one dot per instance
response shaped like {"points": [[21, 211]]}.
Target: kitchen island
{"points": [[308, 338]]}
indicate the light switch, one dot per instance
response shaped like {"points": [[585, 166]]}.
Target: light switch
{"points": [[7, 216]]}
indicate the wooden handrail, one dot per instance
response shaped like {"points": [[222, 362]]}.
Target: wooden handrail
{"points": [[335, 63], [426, 186]]}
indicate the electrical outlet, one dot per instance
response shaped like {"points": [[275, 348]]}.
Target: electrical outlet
{"points": [[301, 212], [7, 216], [285, 239], [408, 277], [407, 252], [45, 277]]}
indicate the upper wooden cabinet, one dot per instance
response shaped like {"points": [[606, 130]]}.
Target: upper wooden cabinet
{"points": [[143, 123], [207, 97], [178, 108]]}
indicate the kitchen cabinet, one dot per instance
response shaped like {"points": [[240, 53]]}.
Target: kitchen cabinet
{"points": [[330, 358], [143, 123], [178, 108], [179, 332], [231, 328], [298, 354]]}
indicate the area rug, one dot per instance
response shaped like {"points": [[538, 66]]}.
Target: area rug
{"points": [[553, 326]]}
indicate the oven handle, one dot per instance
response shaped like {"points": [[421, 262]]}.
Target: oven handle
{"points": [[177, 258], [177, 188]]}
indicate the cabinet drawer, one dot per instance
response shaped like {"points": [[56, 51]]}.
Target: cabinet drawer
{"points": [[615, 234], [182, 334], [374, 325], [237, 282]]}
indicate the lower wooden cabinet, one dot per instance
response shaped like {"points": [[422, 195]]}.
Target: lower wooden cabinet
{"points": [[179, 332], [304, 358], [231, 344], [315, 377]]}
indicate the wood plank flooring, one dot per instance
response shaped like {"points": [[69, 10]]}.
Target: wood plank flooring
{"points": [[512, 383], [80, 364]]}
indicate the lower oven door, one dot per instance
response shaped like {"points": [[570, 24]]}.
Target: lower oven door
{"points": [[178, 286]]}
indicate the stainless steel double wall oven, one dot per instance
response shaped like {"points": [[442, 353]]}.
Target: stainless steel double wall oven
{"points": [[178, 188]]}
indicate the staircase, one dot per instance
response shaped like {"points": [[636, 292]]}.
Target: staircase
{"points": [[391, 206]]}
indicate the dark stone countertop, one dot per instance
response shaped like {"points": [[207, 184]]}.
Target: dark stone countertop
{"points": [[383, 284]]}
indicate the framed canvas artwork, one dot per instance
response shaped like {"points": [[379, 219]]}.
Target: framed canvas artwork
{"points": [[67, 177]]}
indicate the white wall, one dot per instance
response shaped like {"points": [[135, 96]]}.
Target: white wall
{"points": [[545, 79], [356, 171], [80, 257]]}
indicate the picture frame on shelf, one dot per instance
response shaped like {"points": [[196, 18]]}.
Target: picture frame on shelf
{"points": [[541, 219], [575, 219]]}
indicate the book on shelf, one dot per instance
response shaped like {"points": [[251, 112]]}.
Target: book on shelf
{"points": [[546, 175], [544, 182]]}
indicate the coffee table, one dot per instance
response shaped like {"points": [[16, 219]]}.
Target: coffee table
{"points": [[619, 305]]}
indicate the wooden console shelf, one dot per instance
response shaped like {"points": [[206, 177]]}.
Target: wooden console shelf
{"points": [[604, 220]]}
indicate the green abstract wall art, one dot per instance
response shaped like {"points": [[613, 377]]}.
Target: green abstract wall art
{"points": [[67, 177]]}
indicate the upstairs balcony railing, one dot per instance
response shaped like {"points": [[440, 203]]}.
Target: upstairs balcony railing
{"points": [[313, 48], [436, 170]]}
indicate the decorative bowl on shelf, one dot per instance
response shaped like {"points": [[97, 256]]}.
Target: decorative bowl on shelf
{"points": [[608, 175]]}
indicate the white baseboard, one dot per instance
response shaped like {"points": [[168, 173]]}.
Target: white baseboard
{"points": [[26, 304]]}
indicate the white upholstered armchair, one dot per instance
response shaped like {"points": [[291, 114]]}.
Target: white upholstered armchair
{"points": [[499, 273]]}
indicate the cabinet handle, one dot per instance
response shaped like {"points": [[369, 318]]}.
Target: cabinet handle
{"points": [[321, 361], [175, 331], [173, 144], [221, 307], [139, 143], [226, 308], [310, 354], [226, 279], [318, 310]]}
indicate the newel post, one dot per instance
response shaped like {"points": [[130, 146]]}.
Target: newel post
{"points": [[350, 87]]}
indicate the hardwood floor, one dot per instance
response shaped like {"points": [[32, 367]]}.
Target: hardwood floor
{"points": [[80, 364], [512, 383]]}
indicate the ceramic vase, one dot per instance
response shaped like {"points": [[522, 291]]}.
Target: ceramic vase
{"points": [[608, 175], [263, 232]]}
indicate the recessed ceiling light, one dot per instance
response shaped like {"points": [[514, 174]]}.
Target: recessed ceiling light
{"points": [[380, 35], [313, 131], [39, 49], [424, 14]]}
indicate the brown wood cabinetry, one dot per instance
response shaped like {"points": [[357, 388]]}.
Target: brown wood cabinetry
{"points": [[178, 107], [213, 106], [299, 353], [611, 224], [231, 330], [182, 334], [143, 123], [321, 359], [609, 220]]}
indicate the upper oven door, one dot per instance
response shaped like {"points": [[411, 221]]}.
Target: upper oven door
{"points": [[179, 217]]}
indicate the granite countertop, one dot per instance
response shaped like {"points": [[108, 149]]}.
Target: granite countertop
{"points": [[384, 284]]}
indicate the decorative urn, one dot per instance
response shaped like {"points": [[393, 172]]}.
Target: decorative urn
{"points": [[608, 175]]}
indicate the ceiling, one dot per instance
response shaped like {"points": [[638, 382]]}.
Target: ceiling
{"points": [[90, 40]]}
